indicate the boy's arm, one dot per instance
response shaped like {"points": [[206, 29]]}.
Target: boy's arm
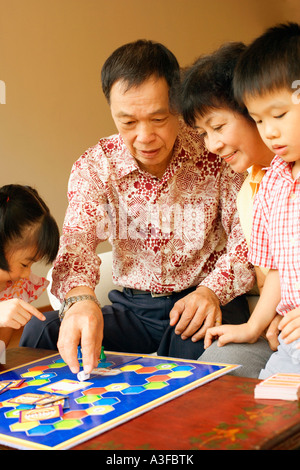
{"points": [[263, 314]]}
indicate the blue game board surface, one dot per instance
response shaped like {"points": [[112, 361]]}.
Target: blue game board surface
{"points": [[127, 386]]}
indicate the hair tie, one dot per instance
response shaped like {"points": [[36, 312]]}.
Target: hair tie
{"points": [[7, 199]]}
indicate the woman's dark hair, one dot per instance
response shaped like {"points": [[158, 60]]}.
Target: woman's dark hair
{"points": [[270, 62], [26, 220], [208, 83], [136, 62]]}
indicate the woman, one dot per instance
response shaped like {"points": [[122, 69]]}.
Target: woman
{"points": [[207, 103]]}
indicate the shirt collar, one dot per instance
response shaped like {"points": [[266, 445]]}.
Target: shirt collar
{"points": [[123, 161], [280, 166], [256, 175]]}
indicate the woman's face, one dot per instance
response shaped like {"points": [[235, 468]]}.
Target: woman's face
{"points": [[234, 138]]}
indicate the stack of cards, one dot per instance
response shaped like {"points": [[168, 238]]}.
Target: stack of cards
{"points": [[8, 384], [279, 387], [35, 406]]}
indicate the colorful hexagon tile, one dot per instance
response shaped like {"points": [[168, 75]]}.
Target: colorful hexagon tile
{"points": [[74, 414], [117, 387], [130, 368], [31, 374], [155, 385], [23, 427], [166, 365], [185, 367], [37, 382], [180, 374], [57, 365], [39, 368], [109, 401], [46, 375], [94, 391], [133, 390], [146, 370], [85, 400], [40, 430], [67, 424], [14, 413], [99, 410], [158, 378]]}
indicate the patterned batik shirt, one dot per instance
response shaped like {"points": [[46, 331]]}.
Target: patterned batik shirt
{"points": [[276, 230], [166, 234]]}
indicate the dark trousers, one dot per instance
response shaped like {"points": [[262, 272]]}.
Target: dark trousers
{"points": [[136, 323]]}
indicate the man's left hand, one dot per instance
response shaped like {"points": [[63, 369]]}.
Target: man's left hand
{"points": [[196, 312]]}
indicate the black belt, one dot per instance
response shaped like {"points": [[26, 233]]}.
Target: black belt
{"points": [[147, 292]]}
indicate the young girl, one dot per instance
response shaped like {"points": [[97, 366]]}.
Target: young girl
{"points": [[28, 233]]}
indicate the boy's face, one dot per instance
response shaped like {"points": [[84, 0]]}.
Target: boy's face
{"points": [[277, 116]]}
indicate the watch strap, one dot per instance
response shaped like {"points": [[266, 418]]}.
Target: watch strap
{"points": [[67, 303]]}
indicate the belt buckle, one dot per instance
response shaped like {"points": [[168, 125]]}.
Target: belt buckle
{"points": [[154, 294]]}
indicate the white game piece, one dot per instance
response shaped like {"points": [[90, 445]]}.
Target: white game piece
{"points": [[81, 376]]}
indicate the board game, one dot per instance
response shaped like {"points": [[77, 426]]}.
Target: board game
{"points": [[43, 405]]}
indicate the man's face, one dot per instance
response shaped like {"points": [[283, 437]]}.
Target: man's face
{"points": [[145, 122]]}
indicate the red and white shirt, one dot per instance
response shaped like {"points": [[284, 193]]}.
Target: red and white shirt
{"points": [[166, 234], [25, 289], [275, 238]]}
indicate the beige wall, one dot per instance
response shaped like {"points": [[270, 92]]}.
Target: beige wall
{"points": [[51, 52]]}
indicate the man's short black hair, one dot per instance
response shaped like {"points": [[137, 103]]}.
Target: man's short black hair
{"points": [[135, 62]]}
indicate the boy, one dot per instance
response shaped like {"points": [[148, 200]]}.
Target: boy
{"points": [[264, 80]]}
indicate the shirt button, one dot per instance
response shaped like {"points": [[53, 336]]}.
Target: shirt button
{"points": [[297, 285], [293, 196]]}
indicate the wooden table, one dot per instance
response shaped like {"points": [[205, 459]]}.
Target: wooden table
{"points": [[221, 415]]}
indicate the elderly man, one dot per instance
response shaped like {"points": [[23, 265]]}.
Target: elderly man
{"points": [[167, 206]]}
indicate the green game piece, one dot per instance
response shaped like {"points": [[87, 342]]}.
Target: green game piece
{"points": [[102, 355]]}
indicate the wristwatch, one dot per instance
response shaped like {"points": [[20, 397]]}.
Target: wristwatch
{"points": [[67, 303]]}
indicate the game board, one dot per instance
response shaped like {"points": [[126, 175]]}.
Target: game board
{"points": [[44, 406]]}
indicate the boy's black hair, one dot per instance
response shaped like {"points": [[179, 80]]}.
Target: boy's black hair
{"points": [[22, 208], [208, 84], [270, 62], [136, 62]]}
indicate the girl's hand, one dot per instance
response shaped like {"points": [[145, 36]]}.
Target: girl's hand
{"points": [[15, 313]]}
